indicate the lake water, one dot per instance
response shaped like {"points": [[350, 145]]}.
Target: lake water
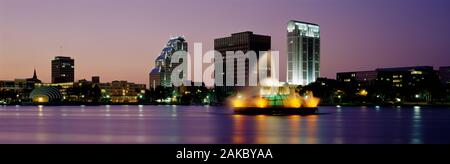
{"points": [[218, 125]]}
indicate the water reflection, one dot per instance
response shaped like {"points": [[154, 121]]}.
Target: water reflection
{"points": [[264, 129], [203, 125], [416, 126]]}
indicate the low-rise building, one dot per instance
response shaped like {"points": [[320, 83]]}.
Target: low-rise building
{"points": [[122, 91], [444, 75]]}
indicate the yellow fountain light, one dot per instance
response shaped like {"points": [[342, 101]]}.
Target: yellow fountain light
{"points": [[41, 99], [293, 102], [310, 101], [262, 103], [238, 103], [363, 92]]}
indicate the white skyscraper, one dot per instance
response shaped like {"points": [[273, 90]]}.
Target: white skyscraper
{"points": [[303, 65]]}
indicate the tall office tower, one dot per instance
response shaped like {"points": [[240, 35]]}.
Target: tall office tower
{"points": [[63, 70], [303, 65], [161, 74], [244, 41]]}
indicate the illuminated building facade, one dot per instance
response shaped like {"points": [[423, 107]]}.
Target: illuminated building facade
{"points": [[244, 41], [406, 76], [122, 91], [161, 74], [63, 89], [400, 84], [63, 70], [362, 78], [303, 65], [42, 95], [396, 77]]}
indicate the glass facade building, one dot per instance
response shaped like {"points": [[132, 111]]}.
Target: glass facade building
{"points": [[303, 66], [161, 74]]}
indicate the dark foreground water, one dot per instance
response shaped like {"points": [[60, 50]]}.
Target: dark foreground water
{"points": [[205, 125]]}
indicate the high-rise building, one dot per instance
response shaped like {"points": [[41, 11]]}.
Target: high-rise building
{"points": [[63, 70], [161, 74], [245, 42], [303, 66]]}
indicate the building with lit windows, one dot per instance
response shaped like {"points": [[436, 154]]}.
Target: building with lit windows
{"points": [[400, 84], [303, 58], [406, 76], [362, 78], [18, 89], [63, 70], [161, 74], [122, 91], [396, 77]]}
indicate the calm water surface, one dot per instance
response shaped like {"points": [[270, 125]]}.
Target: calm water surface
{"points": [[205, 125]]}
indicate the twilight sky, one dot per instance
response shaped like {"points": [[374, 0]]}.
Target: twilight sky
{"points": [[119, 39]]}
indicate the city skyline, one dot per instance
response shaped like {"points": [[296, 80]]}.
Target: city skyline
{"points": [[102, 39]]}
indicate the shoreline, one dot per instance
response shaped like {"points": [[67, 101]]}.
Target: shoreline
{"points": [[148, 104]]}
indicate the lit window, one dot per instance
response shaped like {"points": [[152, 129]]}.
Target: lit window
{"points": [[416, 73]]}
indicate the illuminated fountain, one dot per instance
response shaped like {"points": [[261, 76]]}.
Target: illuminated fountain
{"points": [[275, 99]]}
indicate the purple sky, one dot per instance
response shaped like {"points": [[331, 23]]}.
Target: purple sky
{"points": [[119, 39]]}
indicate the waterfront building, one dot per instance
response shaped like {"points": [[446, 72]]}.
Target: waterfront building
{"points": [[18, 89], [122, 91], [361, 79], [63, 70], [398, 77], [245, 42], [161, 74], [43, 95], [413, 84], [303, 58], [406, 76], [82, 91], [444, 75], [63, 88]]}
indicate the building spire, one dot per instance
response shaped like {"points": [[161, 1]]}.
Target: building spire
{"points": [[34, 74]]}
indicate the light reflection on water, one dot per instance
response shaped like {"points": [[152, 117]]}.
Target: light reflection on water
{"points": [[208, 124]]}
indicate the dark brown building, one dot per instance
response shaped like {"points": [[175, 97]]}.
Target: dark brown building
{"points": [[245, 42], [96, 79], [63, 70]]}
